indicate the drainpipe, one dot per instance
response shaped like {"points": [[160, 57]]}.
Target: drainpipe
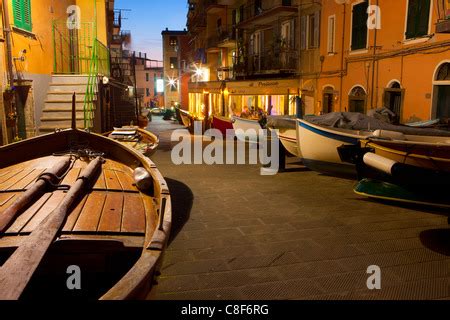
{"points": [[10, 70], [7, 30], [341, 86], [372, 93]]}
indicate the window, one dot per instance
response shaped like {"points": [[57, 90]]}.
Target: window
{"points": [[359, 26], [173, 41], [147, 77], [311, 31], [22, 14], [241, 13], [418, 18], [258, 7], [173, 63], [331, 34], [287, 34], [147, 92]]}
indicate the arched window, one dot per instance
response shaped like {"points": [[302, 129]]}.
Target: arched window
{"points": [[444, 73], [442, 92], [357, 100]]}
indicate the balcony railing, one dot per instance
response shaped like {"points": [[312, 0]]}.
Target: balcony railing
{"points": [[270, 61], [256, 8]]}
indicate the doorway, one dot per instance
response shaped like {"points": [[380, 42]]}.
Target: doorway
{"points": [[328, 100], [393, 98]]}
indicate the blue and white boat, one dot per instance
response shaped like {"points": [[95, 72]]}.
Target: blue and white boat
{"points": [[318, 145]]}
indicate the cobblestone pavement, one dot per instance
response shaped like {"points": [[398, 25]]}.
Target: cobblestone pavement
{"points": [[296, 235]]}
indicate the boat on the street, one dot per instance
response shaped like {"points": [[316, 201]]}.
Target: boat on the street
{"points": [[136, 138], [319, 147], [74, 199], [246, 130], [287, 132], [224, 125]]}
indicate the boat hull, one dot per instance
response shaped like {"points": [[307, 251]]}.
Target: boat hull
{"points": [[224, 125], [93, 234], [319, 148], [246, 130], [146, 143], [427, 156]]}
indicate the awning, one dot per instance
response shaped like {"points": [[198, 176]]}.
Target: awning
{"points": [[264, 87], [206, 87]]}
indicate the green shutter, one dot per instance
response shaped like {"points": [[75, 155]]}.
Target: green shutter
{"points": [[22, 14], [418, 18], [27, 15], [359, 26]]}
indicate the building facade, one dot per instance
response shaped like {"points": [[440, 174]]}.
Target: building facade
{"points": [[354, 55], [175, 50], [148, 73], [31, 55], [386, 54]]}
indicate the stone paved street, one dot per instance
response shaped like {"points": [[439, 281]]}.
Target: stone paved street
{"points": [[296, 235]]}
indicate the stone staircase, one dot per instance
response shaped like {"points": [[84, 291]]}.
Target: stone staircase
{"points": [[57, 112]]}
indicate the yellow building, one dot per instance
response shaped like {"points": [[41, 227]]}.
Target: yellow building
{"points": [[36, 29]]}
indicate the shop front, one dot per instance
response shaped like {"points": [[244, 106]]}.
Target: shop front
{"points": [[206, 99], [274, 97]]}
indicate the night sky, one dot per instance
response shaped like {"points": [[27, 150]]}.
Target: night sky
{"points": [[148, 18]]}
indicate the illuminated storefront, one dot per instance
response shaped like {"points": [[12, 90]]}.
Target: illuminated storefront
{"points": [[206, 98], [275, 97]]}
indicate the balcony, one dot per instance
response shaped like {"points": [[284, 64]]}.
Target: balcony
{"points": [[259, 12], [228, 37], [443, 26], [284, 61], [214, 6], [124, 36], [212, 44]]}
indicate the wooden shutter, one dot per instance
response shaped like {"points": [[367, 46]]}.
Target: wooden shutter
{"points": [[17, 12], [304, 27], [359, 26], [418, 18], [22, 14], [316, 29], [423, 18]]}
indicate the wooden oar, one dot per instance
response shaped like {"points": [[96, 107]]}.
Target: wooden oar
{"points": [[35, 192], [20, 267]]}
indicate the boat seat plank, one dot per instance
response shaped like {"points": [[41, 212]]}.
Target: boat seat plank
{"points": [[8, 184], [71, 177], [45, 210], [74, 215], [26, 216], [100, 184], [112, 182], [28, 180], [111, 218], [9, 175], [6, 198], [90, 215], [126, 181], [133, 219]]}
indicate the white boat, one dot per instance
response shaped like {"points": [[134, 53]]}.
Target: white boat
{"points": [[246, 130], [318, 145], [287, 132]]}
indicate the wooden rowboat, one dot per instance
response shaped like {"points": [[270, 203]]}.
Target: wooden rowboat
{"points": [[136, 138], [86, 212]]}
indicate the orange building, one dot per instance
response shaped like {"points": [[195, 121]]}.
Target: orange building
{"points": [[385, 53]]}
